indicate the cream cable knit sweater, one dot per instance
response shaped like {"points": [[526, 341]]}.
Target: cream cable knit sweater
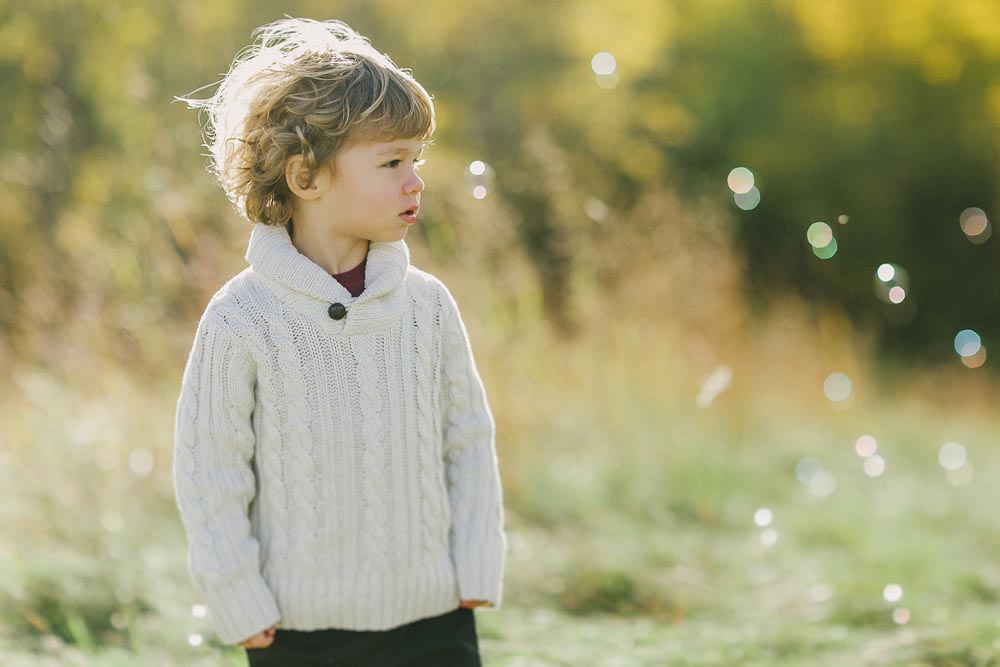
{"points": [[335, 473]]}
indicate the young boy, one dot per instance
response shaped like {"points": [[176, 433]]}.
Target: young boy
{"points": [[334, 460]]}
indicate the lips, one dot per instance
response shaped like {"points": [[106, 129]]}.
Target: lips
{"points": [[409, 216]]}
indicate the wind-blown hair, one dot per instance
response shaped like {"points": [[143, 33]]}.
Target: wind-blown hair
{"points": [[306, 88]]}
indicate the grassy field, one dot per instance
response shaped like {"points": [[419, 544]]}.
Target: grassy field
{"points": [[634, 515]]}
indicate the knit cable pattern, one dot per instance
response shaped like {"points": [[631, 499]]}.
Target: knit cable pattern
{"points": [[298, 453], [426, 329], [373, 456]]}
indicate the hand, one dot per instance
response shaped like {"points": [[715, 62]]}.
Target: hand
{"points": [[260, 640], [472, 604]]}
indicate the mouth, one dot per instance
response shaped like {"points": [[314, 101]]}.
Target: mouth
{"points": [[409, 216]]}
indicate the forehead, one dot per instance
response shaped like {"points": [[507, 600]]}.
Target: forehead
{"points": [[395, 146]]}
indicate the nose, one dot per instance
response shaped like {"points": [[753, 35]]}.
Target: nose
{"points": [[414, 184]]}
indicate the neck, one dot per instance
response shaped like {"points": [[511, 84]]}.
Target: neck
{"points": [[332, 253]]}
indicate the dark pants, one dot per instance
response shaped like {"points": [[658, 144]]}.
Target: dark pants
{"points": [[448, 640]]}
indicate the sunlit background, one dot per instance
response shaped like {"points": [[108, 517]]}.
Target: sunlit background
{"points": [[728, 268]]}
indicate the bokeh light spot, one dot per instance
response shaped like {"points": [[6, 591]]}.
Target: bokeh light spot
{"points": [[837, 387], [748, 201], [892, 593], [874, 466], [975, 224], [807, 469], [140, 462], [962, 476], [819, 235], [479, 192], [477, 168], [952, 455], [866, 445], [607, 81], [195, 640], [603, 63], [892, 283], [740, 180], [901, 616], [763, 517], [768, 537], [843, 219], [823, 484], [977, 359], [967, 342], [827, 251], [199, 611]]}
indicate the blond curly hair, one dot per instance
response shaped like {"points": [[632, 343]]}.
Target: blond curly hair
{"points": [[308, 88]]}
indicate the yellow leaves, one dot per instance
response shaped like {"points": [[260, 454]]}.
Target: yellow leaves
{"points": [[833, 30], [634, 32], [940, 64]]}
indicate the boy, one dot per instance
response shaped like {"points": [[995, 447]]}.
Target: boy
{"points": [[334, 460]]}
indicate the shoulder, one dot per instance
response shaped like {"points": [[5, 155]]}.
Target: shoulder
{"points": [[235, 306], [423, 285]]}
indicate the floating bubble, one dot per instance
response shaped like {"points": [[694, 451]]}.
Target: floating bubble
{"points": [[603, 63], [901, 616], [740, 180], [874, 466], [892, 593], [768, 537], [827, 251], [807, 469], [951, 456], [962, 476], [748, 201], [976, 360], [763, 517], [975, 225], [967, 342], [819, 235], [837, 387], [866, 445], [892, 283]]}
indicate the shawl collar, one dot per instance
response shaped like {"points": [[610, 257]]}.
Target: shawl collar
{"points": [[307, 288]]}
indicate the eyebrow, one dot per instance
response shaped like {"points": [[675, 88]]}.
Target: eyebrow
{"points": [[400, 149]]}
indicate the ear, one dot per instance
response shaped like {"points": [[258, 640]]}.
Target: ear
{"points": [[297, 178]]}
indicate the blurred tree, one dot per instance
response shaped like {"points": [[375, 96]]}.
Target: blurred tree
{"points": [[887, 114]]}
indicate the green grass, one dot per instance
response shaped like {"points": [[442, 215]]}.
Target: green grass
{"points": [[630, 520]]}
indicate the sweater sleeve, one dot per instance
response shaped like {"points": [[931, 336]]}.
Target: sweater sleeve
{"points": [[478, 544], [214, 482]]}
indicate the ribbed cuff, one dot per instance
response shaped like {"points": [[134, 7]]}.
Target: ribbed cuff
{"points": [[242, 610], [479, 568]]}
